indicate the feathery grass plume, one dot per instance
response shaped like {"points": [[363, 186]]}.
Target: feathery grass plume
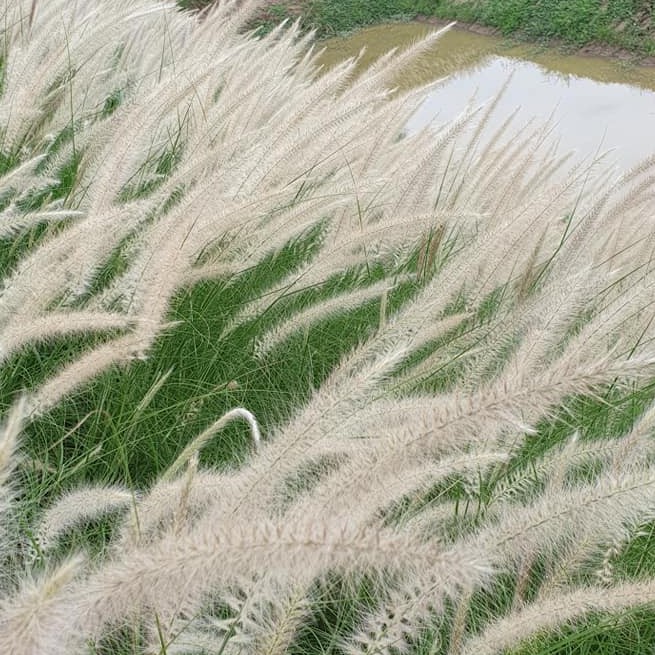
{"points": [[275, 628], [394, 625], [188, 566], [637, 444], [390, 629], [512, 402], [155, 512], [264, 619], [340, 303], [62, 43], [552, 612], [9, 443], [192, 449], [27, 616], [167, 248], [77, 507], [56, 324], [556, 517], [8, 460]]}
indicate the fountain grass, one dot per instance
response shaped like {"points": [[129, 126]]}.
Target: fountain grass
{"points": [[470, 439]]}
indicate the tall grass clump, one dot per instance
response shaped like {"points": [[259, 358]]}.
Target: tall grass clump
{"points": [[279, 376]]}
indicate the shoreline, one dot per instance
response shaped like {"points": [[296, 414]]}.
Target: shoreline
{"points": [[274, 11], [599, 50]]}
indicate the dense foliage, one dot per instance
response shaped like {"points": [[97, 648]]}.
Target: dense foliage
{"points": [[280, 376]]}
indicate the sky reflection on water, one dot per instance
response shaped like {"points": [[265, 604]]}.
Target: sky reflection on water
{"points": [[596, 104]]}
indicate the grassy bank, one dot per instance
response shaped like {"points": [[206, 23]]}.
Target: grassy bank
{"points": [[624, 24]]}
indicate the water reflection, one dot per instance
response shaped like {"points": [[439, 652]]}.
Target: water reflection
{"points": [[595, 103], [588, 115]]}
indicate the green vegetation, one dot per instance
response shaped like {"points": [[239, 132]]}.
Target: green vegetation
{"points": [[445, 339], [626, 24]]}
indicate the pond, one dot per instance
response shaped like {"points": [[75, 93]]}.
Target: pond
{"points": [[595, 104]]}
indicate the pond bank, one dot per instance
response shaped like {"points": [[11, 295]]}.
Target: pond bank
{"points": [[621, 29], [587, 50]]}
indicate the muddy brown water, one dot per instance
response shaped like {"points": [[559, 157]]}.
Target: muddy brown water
{"points": [[595, 104]]}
